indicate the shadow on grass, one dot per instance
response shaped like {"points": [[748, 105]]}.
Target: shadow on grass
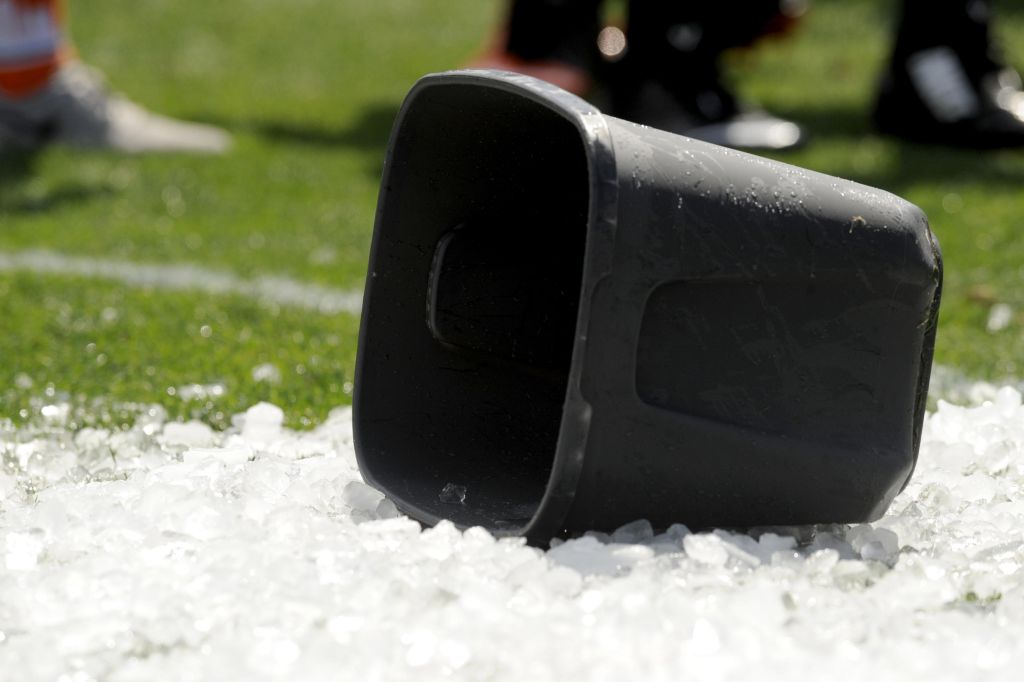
{"points": [[368, 133], [53, 199], [905, 163], [18, 168], [841, 125], [830, 122]]}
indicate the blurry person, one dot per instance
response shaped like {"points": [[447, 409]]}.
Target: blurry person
{"points": [[670, 75], [945, 82], [553, 40], [664, 70], [47, 96]]}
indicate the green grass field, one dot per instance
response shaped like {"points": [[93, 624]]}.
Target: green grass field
{"points": [[309, 89]]}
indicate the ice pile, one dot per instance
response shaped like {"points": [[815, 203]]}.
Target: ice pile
{"points": [[170, 551]]}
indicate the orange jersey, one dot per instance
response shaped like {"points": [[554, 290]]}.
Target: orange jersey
{"points": [[32, 44]]}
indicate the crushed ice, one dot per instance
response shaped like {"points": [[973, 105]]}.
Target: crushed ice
{"points": [[170, 550]]}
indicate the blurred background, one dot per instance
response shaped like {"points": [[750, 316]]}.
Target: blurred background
{"points": [[309, 89]]}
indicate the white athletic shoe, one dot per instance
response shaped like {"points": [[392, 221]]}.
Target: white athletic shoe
{"points": [[76, 109]]}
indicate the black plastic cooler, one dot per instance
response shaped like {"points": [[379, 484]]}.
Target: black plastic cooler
{"points": [[572, 322]]}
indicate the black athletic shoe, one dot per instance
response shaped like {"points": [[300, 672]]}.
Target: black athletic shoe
{"points": [[701, 108], [947, 82], [932, 96], [670, 76]]}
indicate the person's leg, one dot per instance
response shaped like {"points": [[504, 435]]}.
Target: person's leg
{"points": [[946, 82], [674, 31], [554, 40], [670, 76], [563, 30], [48, 97]]}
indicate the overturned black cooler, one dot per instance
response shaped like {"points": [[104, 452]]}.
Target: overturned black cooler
{"points": [[572, 322]]}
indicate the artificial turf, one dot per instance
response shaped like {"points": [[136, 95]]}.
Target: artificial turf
{"points": [[309, 89]]}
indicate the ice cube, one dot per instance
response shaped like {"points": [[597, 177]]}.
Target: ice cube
{"points": [[587, 556], [386, 509], [262, 423], [453, 494], [634, 532], [189, 434], [361, 496], [706, 548]]}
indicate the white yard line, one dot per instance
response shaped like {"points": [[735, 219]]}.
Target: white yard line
{"points": [[186, 277]]}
